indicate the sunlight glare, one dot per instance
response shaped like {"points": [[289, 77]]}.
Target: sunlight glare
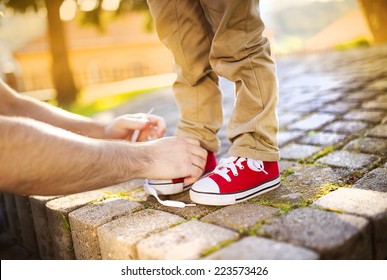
{"points": [[88, 5], [68, 10], [110, 5]]}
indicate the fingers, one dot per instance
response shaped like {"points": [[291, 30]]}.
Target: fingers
{"points": [[158, 123], [196, 173], [154, 120], [178, 157], [190, 180], [198, 160], [151, 127], [196, 149]]}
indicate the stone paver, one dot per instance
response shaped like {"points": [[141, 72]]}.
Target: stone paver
{"points": [[338, 107], [186, 241], [42, 232], [118, 239], [322, 139], [58, 224], [361, 95], [352, 127], [3, 220], [369, 204], [26, 224], [15, 252], [378, 131], [368, 145], [378, 85], [259, 248], [85, 221], [286, 164], [287, 136], [309, 181], [375, 104], [312, 122], [297, 151], [348, 159], [288, 118], [376, 180], [240, 216], [368, 116], [332, 235], [11, 215], [58, 210], [331, 96]]}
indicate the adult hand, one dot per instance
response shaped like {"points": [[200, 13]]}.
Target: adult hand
{"points": [[123, 127], [176, 157]]}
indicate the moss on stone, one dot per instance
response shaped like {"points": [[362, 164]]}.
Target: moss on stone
{"points": [[217, 247], [254, 230], [285, 173], [66, 224], [285, 206], [327, 188]]}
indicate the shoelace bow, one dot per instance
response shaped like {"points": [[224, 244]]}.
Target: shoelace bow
{"points": [[229, 164]]}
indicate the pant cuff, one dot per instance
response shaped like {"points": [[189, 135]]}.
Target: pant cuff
{"points": [[254, 154]]}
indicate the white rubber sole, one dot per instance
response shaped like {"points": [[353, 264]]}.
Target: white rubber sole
{"points": [[166, 187], [217, 199]]}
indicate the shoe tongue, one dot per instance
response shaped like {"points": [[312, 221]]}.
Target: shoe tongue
{"points": [[227, 160]]}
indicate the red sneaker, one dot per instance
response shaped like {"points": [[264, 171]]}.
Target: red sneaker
{"points": [[234, 180], [168, 187]]}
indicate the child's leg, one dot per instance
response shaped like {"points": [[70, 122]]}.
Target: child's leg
{"points": [[241, 54], [184, 29]]}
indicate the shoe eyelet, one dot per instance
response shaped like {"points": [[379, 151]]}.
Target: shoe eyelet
{"points": [[242, 167]]}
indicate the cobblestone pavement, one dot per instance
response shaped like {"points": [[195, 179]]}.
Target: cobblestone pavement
{"points": [[332, 203]]}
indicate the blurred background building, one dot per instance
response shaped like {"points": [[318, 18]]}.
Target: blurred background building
{"points": [[124, 50]]}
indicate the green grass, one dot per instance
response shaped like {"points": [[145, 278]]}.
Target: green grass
{"points": [[357, 43]]}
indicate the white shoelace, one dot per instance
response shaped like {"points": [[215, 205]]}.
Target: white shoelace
{"points": [[227, 164], [169, 203]]}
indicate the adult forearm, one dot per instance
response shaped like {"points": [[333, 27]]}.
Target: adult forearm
{"points": [[31, 108], [37, 158], [14, 104]]}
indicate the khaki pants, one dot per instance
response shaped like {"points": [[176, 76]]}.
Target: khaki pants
{"points": [[211, 38]]}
